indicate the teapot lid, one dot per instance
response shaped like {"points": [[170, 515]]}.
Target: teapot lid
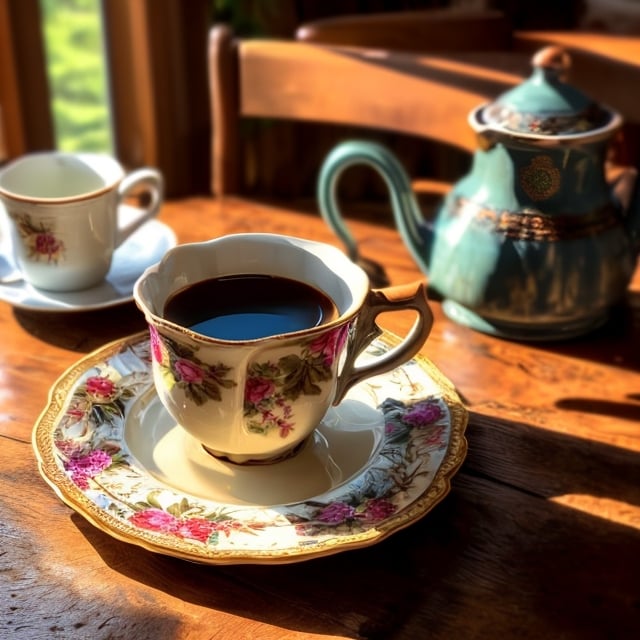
{"points": [[544, 104]]}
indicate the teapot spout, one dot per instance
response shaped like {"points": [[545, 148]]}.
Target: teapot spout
{"points": [[626, 190], [417, 235]]}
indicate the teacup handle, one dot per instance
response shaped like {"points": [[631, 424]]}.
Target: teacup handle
{"points": [[398, 298], [146, 181]]}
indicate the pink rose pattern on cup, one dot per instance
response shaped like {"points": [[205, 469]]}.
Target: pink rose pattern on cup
{"points": [[271, 387], [200, 381], [90, 449], [40, 240]]}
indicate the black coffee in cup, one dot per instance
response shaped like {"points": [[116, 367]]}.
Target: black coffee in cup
{"points": [[248, 306]]}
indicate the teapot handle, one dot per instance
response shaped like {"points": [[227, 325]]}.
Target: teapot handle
{"points": [[626, 190], [407, 214], [623, 186]]}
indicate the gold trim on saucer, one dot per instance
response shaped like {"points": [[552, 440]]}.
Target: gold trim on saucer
{"points": [[422, 422]]}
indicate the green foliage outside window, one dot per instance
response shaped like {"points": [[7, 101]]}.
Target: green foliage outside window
{"points": [[76, 69]]}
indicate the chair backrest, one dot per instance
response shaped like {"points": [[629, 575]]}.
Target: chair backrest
{"points": [[604, 65], [426, 30], [428, 96]]}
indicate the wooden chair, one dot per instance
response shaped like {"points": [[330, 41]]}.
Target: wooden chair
{"points": [[427, 96], [418, 95], [604, 64], [426, 92]]}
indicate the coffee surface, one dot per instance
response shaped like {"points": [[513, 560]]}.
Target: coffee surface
{"points": [[246, 307]]}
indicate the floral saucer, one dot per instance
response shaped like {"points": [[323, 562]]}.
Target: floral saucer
{"points": [[143, 248], [378, 462]]}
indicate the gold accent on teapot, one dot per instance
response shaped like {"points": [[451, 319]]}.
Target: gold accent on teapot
{"points": [[540, 180]]}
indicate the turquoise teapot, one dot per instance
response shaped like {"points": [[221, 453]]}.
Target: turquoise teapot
{"points": [[533, 243]]}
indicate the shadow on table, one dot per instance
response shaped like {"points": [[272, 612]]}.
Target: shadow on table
{"points": [[547, 463], [624, 410], [496, 557], [82, 331], [617, 342]]}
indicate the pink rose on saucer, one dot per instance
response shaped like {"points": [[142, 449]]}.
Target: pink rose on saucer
{"points": [[101, 389]]}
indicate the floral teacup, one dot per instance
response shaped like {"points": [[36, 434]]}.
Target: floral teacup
{"points": [[65, 214], [257, 399]]}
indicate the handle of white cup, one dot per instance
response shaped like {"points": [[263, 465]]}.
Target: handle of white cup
{"points": [[399, 298], [145, 181]]}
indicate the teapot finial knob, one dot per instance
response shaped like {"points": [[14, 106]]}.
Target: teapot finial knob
{"points": [[553, 58]]}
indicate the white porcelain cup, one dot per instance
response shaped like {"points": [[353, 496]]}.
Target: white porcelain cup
{"points": [[65, 214], [256, 399]]}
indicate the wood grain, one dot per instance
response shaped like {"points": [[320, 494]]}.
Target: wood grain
{"points": [[538, 538]]}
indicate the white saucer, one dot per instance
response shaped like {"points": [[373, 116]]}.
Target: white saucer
{"points": [[345, 442], [144, 247], [378, 462]]}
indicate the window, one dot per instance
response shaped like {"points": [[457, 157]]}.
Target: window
{"points": [[77, 76], [156, 58]]}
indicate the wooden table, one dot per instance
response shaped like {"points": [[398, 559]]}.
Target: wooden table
{"points": [[538, 538]]}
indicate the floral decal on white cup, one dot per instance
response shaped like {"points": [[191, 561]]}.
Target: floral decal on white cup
{"points": [[180, 366], [40, 240], [272, 387]]}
